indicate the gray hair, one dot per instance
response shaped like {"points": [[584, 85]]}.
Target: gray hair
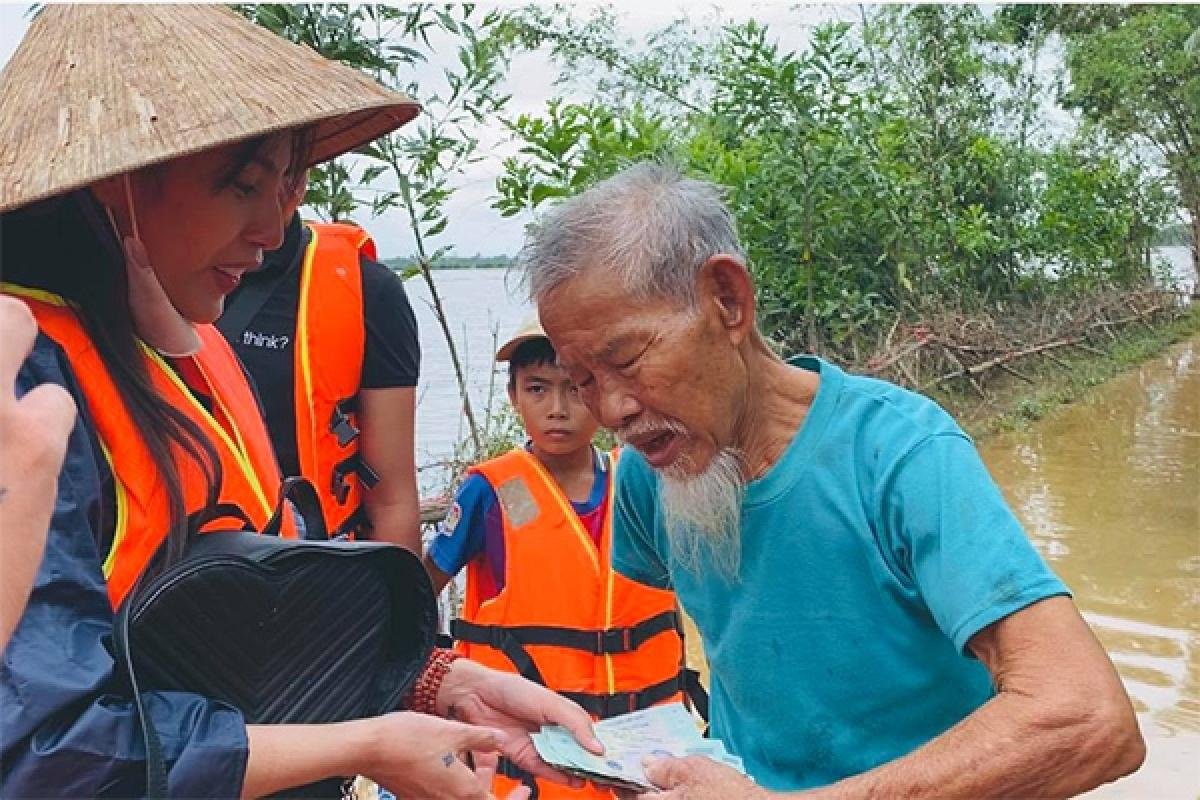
{"points": [[648, 224]]}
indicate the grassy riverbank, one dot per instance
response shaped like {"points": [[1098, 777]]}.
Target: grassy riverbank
{"points": [[1013, 403]]}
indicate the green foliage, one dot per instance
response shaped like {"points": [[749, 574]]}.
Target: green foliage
{"points": [[1135, 71], [1176, 235], [572, 147], [353, 35], [421, 161], [888, 169]]}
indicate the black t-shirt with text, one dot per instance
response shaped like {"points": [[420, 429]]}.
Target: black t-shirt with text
{"points": [[392, 353]]}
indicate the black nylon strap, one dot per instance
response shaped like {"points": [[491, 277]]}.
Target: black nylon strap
{"points": [[597, 642], [356, 523], [352, 465], [499, 638], [156, 767], [303, 498], [696, 692], [198, 519], [610, 705], [341, 426]]}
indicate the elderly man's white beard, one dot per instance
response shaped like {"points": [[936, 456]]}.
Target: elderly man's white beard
{"points": [[702, 514]]}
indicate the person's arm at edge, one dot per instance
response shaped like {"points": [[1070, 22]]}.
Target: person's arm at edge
{"points": [[1059, 724], [1047, 733], [462, 533], [437, 577], [387, 444], [282, 756], [34, 428]]}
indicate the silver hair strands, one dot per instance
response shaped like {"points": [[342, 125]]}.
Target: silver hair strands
{"points": [[702, 514], [648, 224]]}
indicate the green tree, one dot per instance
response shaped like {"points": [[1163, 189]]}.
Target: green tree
{"points": [[423, 159], [895, 168], [1133, 73]]}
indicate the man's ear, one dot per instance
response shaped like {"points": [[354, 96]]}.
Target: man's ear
{"points": [[725, 283], [512, 391]]}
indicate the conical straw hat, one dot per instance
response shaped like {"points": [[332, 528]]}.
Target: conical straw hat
{"points": [[99, 90]]}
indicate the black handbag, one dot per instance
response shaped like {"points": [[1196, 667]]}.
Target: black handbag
{"points": [[284, 630]]}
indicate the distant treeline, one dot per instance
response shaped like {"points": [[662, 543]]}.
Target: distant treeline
{"points": [[409, 264], [1178, 235]]}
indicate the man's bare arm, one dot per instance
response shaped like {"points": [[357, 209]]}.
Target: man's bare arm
{"points": [[1060, 723]]}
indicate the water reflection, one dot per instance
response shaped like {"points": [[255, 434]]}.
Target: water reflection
{"points": [[1109, 491]]}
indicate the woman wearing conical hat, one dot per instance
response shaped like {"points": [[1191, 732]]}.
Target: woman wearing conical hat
{"points": [[143, 151]]}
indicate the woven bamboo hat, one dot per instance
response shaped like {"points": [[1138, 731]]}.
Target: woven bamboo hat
{"points": [[98, 90]]}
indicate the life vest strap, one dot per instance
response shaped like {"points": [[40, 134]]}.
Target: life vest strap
{"points": [[610, 705], [354, 525], [354, 465], [502, 639], [696, 692], [611, 641]]}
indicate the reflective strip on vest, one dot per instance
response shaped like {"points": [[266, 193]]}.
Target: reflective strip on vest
{"points": [[330, 342], [556, 575], [235, 429]]}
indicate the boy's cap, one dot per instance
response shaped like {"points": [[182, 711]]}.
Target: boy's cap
{"points": [[531, 328]]}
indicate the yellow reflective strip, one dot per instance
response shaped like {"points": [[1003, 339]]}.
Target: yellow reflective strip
{"points": [[239, 456], [243, 450], [606, 525], [305, 371], [33, 294], [122, 524], [589, 547], [581, 533]]}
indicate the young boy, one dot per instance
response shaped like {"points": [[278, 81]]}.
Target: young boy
{"points": [[533, 528]]}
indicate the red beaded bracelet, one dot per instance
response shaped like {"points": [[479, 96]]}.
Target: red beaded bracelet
{"points": [[422, 696]]}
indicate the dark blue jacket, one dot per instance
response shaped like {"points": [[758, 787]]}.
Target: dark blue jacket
{"points": [[68, 727]]}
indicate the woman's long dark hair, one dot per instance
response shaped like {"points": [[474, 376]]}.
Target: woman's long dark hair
{"points": [[66, 245]]}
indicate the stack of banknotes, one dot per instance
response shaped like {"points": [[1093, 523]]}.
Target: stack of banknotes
{"points": [[666, 730]]}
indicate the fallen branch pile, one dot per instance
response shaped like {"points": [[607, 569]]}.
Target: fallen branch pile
{"points": [[952, 347]]}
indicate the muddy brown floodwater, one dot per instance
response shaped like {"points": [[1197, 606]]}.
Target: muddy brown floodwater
{"points": [[1109, 491]]}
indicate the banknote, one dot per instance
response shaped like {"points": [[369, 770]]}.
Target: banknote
{"points": [[666, 730]]}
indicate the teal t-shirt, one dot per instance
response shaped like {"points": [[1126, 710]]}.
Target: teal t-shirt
{"points": [[870, 553]]}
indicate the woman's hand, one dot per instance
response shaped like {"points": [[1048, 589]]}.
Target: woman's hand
{"points": [[421, 756], [410, 754], [515, 707]]}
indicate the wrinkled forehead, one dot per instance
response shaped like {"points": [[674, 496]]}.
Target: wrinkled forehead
{"points": [[582, 308]]}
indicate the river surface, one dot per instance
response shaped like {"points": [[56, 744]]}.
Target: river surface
{"points": [[487, 303], [1108, 489]]}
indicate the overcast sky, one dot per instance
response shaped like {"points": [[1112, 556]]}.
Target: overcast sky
{"points": [[474, 226]]}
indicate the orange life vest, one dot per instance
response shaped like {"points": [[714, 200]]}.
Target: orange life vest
{"points": [[250, 484], [330, 341], [565, 618]]}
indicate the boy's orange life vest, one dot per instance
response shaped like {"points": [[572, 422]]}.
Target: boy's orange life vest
{"points": [[565, 618], [250, 484], [330, 340]]}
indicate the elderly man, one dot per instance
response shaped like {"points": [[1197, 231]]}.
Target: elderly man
{"points": [[876, 621]]}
